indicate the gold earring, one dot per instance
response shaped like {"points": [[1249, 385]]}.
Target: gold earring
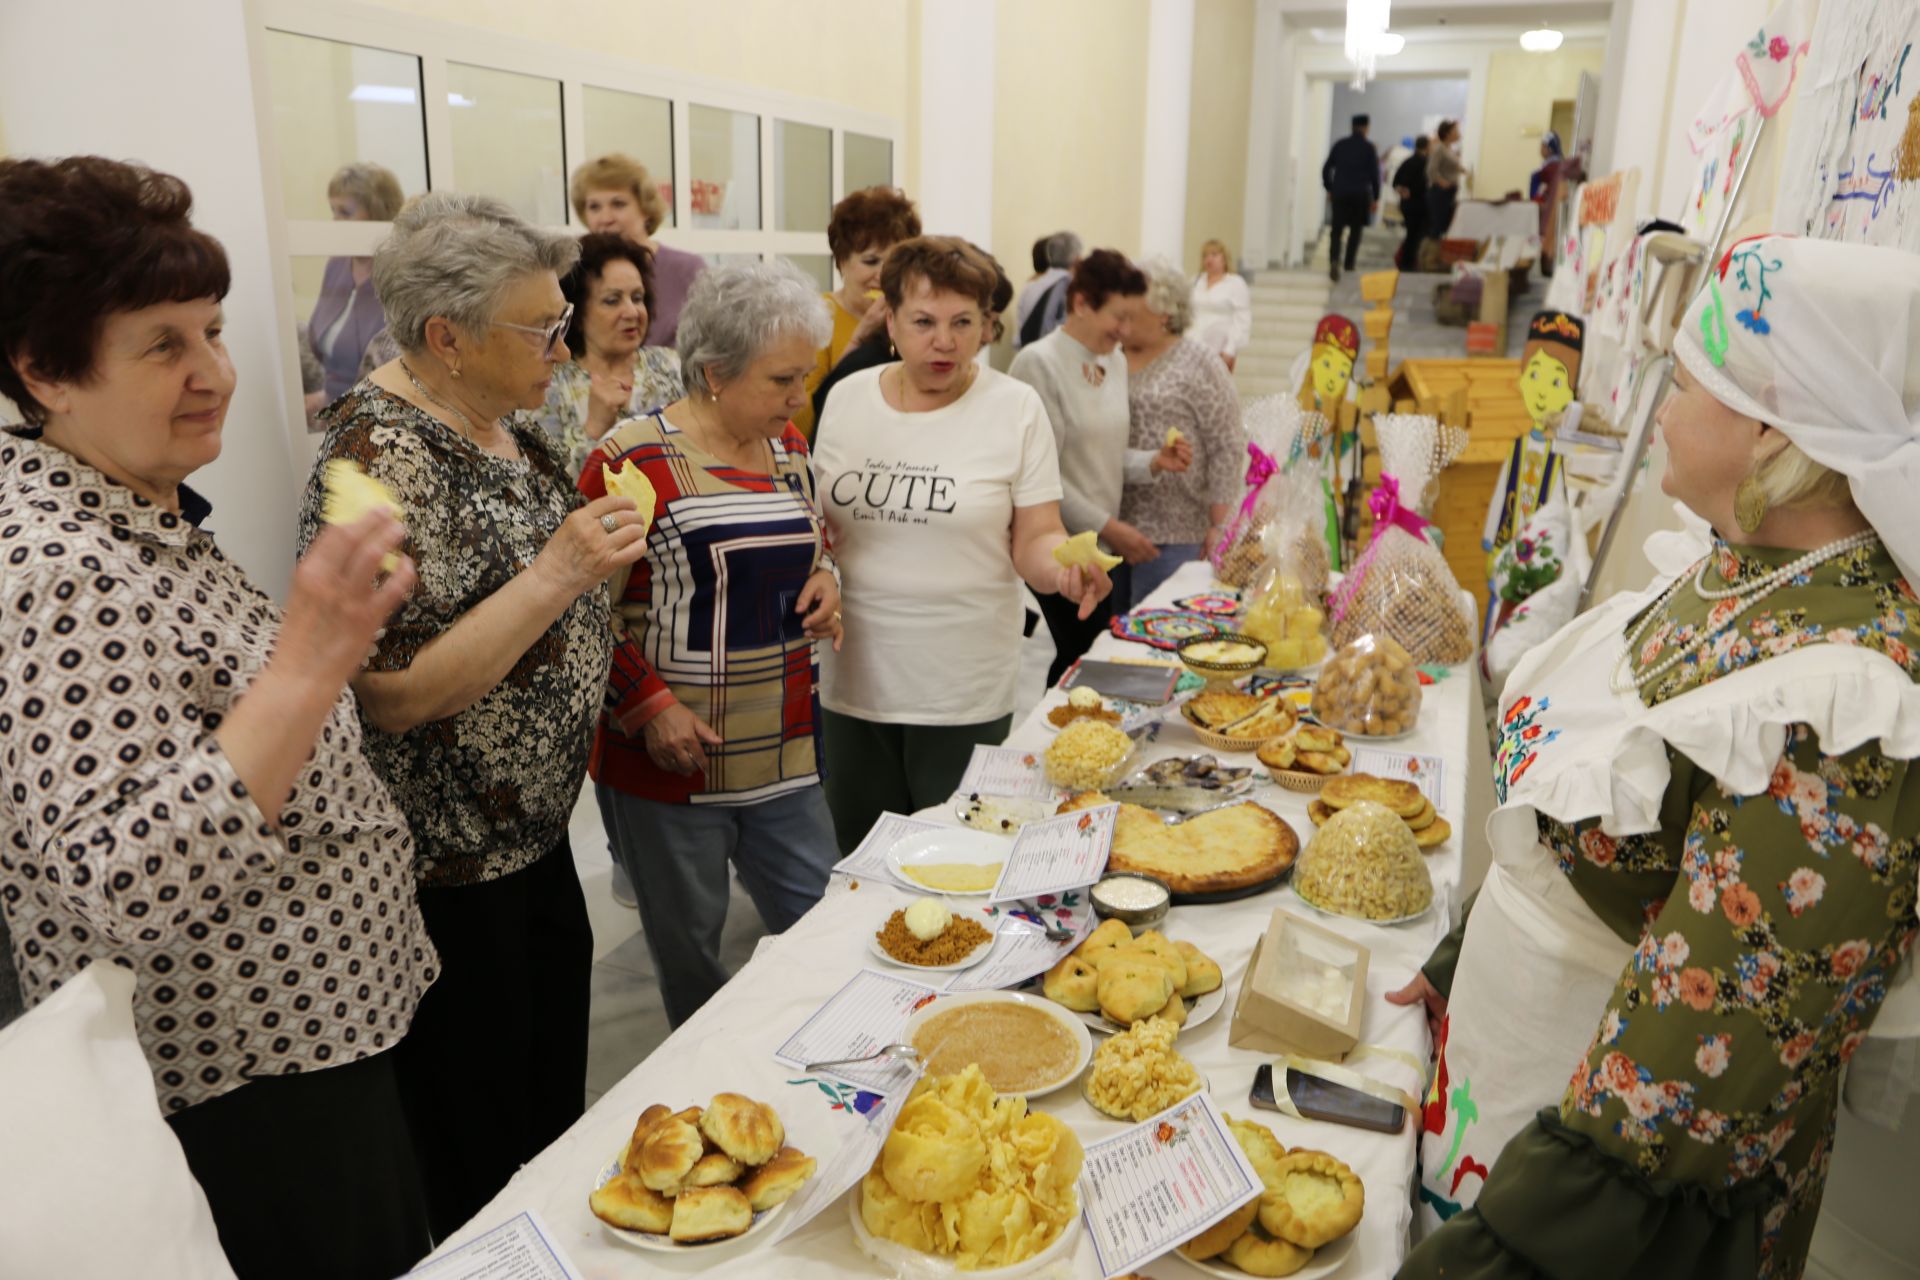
{"points": [[455, 371], [1749, 505]]}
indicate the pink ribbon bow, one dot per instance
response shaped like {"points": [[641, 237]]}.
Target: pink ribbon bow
{"points": [[1384, 502], [1260, 469]]}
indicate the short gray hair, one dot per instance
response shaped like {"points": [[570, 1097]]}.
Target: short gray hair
{"points": [[1062, 248], [736, 310], [1169, 293], [456, 256]]}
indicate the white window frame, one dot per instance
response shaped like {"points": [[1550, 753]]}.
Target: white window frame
{"points": [[436, 44]]}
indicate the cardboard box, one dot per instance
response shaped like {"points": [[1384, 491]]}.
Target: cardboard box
{"points": [[1284, 1002], [1377, 364], [1377, 324], [1483, 338], [1379, 286]]}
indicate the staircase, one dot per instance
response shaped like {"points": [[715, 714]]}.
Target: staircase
{"points": [[1287, 304]]}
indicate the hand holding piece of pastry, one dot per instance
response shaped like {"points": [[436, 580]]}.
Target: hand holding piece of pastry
{"points": [[1175, 455], [1083, 571]]}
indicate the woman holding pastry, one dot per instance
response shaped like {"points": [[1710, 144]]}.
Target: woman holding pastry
{"points": [[707, 755], [480, 697], [865, 225], [1704, 874], [938, 483], [186, 794]]}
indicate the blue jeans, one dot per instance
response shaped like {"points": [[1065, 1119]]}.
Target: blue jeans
{"points": [[1148, 577], [678, 855]]}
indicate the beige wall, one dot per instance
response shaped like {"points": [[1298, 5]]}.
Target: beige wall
{"points": [[1521, 89], [1217, 131], [1069, 120]]}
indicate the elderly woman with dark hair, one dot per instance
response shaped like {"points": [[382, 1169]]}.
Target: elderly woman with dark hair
{"points": [[864, 226], [1177, 384], [347, 315], [481, 695], [612, 374], [186, 795], [708, 753], [615, 193]]}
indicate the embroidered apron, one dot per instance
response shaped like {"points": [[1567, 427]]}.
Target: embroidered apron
{"points": [[1538, 966]]}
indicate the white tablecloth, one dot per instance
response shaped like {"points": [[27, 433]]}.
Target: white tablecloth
{"points": [[729, 1045]]}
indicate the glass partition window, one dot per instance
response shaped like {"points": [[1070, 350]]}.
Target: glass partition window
{"points": [[869, 162], [336, 104], [724, 168], [817, 265], [802, 176], [633, 124], [507, 140]]}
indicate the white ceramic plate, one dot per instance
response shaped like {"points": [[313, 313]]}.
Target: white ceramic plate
{"points": [[1326, 1260], [1199, 1010], [899, 1260], [1020, 811], [1340, 915], [662, 1244], [947, 844], [971, 959], [1083, 1042]]}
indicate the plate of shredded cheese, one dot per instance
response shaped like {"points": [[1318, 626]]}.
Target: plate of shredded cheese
{"points": [[953, 860]]}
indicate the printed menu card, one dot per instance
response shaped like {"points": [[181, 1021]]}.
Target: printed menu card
{"points": [[1429, 773], [1161, 1183], [870, 1012], [869, 858], [1057, 854], [842, 1171], [1006, 771], [1021, 949]]}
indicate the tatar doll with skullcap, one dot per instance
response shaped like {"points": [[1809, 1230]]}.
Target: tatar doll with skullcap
{"points": [[1324, 381], [1532, 476]]}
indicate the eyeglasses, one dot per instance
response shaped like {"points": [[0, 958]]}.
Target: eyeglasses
{"points": [[549, 335]]}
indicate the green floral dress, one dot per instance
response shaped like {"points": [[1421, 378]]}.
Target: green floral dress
{"points": [[1694, 1139]]}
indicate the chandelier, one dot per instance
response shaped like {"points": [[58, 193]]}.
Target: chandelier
{"points": [[1366, 36]]}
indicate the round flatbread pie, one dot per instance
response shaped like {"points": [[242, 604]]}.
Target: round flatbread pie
{"points": [[1213, 852], [1403, 799], [1319, 1199]]}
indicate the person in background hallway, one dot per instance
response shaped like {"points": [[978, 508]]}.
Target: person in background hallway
{"points": [[186, 790], [1444, 175], [348, 313], [1043, 303], [1410, 183], [1351, 177], [1543, 188], [1222, 305], [864, 226], [480, 698], [1082, 380], [616, 193]]}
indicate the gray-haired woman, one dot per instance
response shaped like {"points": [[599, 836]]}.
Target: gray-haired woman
{"points": [[480, 697], [708, 752], [1176, 383]]}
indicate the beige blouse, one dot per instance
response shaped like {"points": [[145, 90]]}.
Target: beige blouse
{"points": [[127, 837]]}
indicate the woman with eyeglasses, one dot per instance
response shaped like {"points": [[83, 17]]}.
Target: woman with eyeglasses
{"points": [[480, 697]]}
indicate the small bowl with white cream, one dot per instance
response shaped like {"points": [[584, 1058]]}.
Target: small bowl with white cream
{"points": [[1138, 901]]}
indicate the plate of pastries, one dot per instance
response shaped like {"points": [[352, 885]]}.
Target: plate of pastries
{"points": [[1301, 1224], [1304, 759], [1232, 851], [1232, 720], [699, 1176], [1114, 980], [1402, 798]]}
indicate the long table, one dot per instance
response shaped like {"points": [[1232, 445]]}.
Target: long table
{"points": [[729, 1044]]}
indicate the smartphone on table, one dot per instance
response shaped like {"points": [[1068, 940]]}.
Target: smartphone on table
{"points": [[1328, 1100]]}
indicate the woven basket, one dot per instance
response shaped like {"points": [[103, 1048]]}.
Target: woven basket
{"points": [[1306, 782]]}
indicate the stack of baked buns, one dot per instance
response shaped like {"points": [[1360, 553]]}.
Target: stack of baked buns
{"points": [[700, 1174], [1128, 979], [1402, 798], [1311, 748], [1310, 1200]]}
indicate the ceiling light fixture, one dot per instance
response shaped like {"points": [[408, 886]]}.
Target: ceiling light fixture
{"points": [[1366, 24], [1541, 40], [1390, 43]]}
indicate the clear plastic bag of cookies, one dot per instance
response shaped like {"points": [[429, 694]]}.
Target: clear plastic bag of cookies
{"points": [[1285, 605], [1280, 435], [1369, 688]]}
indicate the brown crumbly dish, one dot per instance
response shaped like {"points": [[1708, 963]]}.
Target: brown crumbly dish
{"points": [[1225, 849], [950, 946], [1066, 713]]}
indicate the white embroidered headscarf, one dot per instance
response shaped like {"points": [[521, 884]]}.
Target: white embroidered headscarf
{"points": [[1821, 340]]}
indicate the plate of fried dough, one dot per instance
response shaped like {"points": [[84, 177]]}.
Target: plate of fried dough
{"points": [[1405, 800], [1304, 759], [1301, 1225], [699, 1176], [1113, 980]]}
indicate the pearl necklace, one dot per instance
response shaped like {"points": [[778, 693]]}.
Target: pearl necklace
{"points": [[1748, 596]]}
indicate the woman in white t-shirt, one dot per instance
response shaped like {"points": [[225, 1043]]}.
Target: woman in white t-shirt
{"points": [[940, 489]]}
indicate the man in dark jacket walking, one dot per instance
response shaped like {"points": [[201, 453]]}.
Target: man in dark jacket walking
{"points": [[1410, 181], [1351, 177]]}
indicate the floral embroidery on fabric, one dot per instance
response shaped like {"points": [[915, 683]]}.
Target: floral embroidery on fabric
{"points": [[1521, 739], [1751, 266]]}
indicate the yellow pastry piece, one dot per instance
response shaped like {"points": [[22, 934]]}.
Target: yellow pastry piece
{"points": [[1259, 1254], [1074, 984], [955, 877], [1213, 1242], [1173, 437], [1264, 1151], [351, 493], [627, 1203], [630, 482], [1083, 550], [1319, 1199], [1203, 973]]}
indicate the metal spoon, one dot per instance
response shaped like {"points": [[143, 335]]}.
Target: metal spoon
{"points": [[1055, 931], [889, 1052]]}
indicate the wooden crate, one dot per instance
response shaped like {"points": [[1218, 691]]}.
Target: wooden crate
{"points": [[1377, 324], [1379, 286], [1377, 364]]}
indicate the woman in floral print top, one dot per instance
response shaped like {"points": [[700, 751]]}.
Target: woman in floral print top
{"points": [[1723, 872]]}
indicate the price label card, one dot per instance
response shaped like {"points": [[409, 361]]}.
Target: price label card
{"points": [[870, 857], [1057, 854], [1161, 1183], [1429, 773], [1005, 771], [843, 1170], [870, 1012], [521, 1248], [1021, 949]]}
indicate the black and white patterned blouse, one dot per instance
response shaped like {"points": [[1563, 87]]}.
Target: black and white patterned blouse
{"points": [[125, 834], [487, 791]]}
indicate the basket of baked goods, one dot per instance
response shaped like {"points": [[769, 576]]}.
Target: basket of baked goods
{"points": [[1300, 1225], [1231, 720], [1304, 759], [969, 1182], [1370, 689], [1364, 864], [1403, 799], [699, 1176], [1221, 659], [1219, 854], [1114, 980]]}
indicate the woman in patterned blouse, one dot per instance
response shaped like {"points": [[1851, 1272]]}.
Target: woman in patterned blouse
{"points": [[185, 791], [1704, 855], [480, 698], [1175, 383], [708, 752], [611, 375]]}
